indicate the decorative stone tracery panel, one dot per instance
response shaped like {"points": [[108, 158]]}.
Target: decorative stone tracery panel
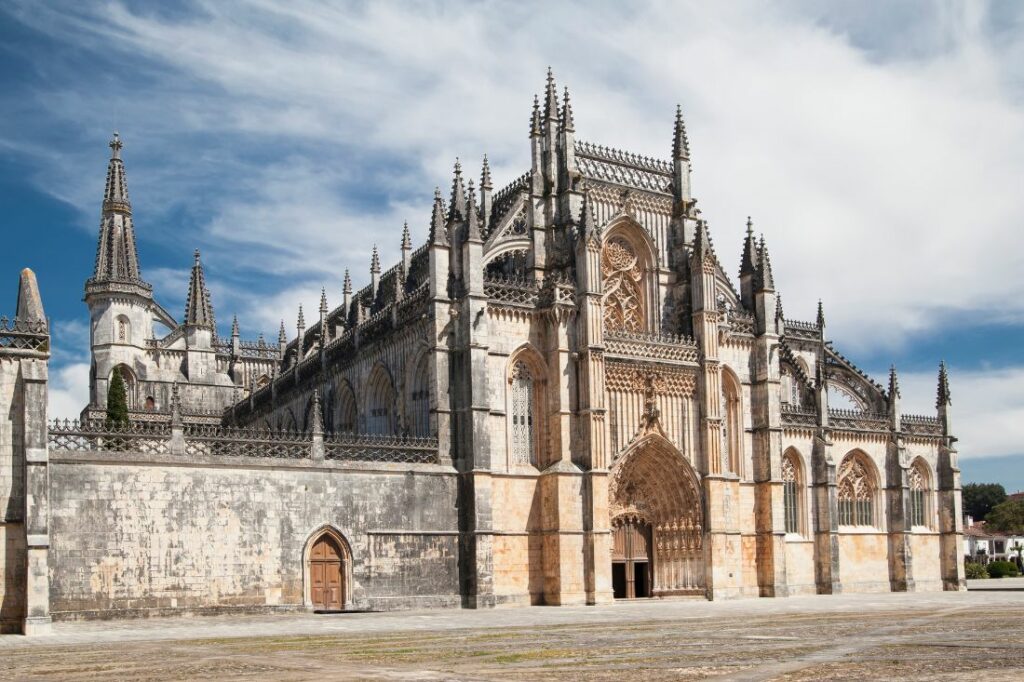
{"points": [[623, 287]]}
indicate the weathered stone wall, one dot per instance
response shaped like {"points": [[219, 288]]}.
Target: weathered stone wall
{"points": [[135, 536], [12, 497]]}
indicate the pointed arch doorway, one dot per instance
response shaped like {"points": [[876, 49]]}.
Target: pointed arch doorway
{"points": [[657, 520], [327, 573]]}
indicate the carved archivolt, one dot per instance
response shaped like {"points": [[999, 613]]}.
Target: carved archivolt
{"points": [[654, 482], [623, 281]]}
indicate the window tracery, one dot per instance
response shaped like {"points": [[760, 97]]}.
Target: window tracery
{"points": [[522, 413], [856, 492], [623, 296], [918, 495], [791, 493]]}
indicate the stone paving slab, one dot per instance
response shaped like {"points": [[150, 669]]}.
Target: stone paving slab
{"points": [[955, 636]]}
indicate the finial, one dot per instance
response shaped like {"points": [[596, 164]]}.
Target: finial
{"points": [[234, 326], [375, 260], [195, 256], [346, 287], [535, 118], [567, 121], [115, 146], [301, 324], [406, 240], [485, 175], [750, 226], [323, 299], [821, 315], [282, 335]]}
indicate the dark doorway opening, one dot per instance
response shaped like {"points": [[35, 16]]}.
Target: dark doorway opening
{"points": [[631, 558]]}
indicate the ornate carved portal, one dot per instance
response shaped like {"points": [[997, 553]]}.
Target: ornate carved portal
{"points": [[623, 279], [653, 486]]}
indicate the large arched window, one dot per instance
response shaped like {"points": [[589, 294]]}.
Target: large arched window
{"points": [[792, 491], [419, 399], [920, 496], [622, 272], [380, 403], [523, 439], [732, 423], [857, 491], [345, 414]]}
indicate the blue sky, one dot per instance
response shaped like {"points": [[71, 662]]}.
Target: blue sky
{"points": [[878, 146]]}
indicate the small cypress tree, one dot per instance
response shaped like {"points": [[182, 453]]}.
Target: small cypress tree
{"points": [[117, 401]]}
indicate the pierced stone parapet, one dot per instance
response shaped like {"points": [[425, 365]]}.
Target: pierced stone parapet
{"points": [[29, 335], [651, 346], [363, 448], [856, 420]]}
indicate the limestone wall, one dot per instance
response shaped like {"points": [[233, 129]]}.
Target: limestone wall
{"points": [[135, 536], [12, 499]]}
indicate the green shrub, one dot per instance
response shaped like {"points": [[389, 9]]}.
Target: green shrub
{"points": [[1003, 569], [975, 571]]}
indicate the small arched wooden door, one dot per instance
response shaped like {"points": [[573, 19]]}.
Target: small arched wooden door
{"points": [[326, 575], [631, 559]]}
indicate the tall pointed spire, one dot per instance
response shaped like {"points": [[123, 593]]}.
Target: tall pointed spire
{"points": [[438, 234], [763, 279], [198, 308], [117, 258], [550, 98], [894, 383], [943, 396], [457, 208], [680, 142], [748, 261], [472, 219], [567, 124]]}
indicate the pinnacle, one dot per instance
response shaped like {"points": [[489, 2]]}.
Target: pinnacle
{"points": [[472, 219], [198, 308], [749, 259], [347, 285], [302, 319], [115, 145], [764, 278], [457, 210], [234, 325], [943, 397], [680, 143], [821, 315], [375, 260], [568, 124], [438, 234], [550, 98], [485, 175], [535, 118], [778, 308], [894, 383], [406, 240], [282, 335], [323, 299]]}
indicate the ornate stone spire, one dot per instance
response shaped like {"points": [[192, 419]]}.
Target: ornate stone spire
{"points": [[702, 242], [472, 218], [234, 327], [346, 295], [748, 261], [457, 205], [535, 118], [117, 258], [282, 335], [943, 397], [374, 271], [567, 124], [821, 315], [406, 240], [550, 98], [779, 315], [894, 383], [198, 308], [763, 279], [438, 233], [680, 142], [301, 321], [323, 299], [485, 175]]}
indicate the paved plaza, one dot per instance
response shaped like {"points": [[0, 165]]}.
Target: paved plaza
{"points": [[974, 635]]}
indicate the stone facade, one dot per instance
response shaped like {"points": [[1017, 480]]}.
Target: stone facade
{"points": [[559, 398]]}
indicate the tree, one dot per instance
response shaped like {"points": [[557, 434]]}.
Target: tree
{"points": [[1007, 517], [980, 498], [117, 400]]}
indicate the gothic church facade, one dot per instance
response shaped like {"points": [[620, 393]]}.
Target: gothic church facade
{"points": [[559, 398]]}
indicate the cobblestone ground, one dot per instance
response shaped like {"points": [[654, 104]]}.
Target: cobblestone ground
{"points": [[954, 636]]}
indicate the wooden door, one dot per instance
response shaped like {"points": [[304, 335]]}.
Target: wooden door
{"points": [[326, 576], [631, 559]]}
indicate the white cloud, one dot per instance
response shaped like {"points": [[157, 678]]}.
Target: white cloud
{"points": [[68, 390], [880, 149], [988, 407]]}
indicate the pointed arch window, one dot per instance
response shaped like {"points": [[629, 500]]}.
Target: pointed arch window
{"points": [[919, 496], [856, 490], [792, 486], [419, 399], [523, 422]]}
